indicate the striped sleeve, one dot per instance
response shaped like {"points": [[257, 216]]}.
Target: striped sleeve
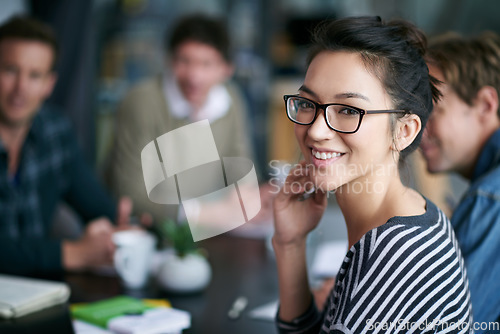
{"points": [[309, 322]]}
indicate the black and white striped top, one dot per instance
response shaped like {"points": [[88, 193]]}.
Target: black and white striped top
{"points": [[406, 276]]}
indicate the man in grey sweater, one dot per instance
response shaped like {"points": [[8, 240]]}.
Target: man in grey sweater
{"points": [[194, 88]]}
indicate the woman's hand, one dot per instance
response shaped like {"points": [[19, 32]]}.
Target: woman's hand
{"points": [[293, 218]]}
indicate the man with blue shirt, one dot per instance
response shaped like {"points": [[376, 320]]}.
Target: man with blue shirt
{"points": [[41, 165], [463, 136]]}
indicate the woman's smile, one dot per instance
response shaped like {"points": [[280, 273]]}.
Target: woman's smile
{"points": [[323, 157]]}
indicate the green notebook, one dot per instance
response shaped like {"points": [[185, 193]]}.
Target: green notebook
{"points": [[99, 313]]}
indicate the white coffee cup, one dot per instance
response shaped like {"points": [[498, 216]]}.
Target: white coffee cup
{"points": [[133, 254]]}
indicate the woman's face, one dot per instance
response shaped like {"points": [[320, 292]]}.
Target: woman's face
{"points": [[357, 159]]}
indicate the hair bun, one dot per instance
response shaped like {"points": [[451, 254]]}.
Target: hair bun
{"points": [[413, 35]]}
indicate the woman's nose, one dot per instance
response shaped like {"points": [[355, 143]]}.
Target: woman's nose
{"points": [[319, 130]]}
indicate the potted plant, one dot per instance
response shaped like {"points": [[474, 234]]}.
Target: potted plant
{"points": [[185, 268]]}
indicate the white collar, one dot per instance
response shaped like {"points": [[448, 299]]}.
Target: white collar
{"points": [[216, 106]]}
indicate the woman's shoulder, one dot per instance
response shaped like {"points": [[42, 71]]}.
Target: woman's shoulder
{"points": [[431, 218], [409, 263], [407, 239]]}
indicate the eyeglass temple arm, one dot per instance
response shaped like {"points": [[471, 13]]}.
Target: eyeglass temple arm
{"points": [[384, 111]]}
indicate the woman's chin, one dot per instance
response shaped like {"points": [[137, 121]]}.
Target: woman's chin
{"points": [[325, 184]]}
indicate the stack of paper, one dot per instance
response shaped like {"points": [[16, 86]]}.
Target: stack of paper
{"points": [[160, 320], [265, 312], [127, 315]]}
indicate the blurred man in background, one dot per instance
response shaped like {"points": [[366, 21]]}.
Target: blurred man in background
{"points": [[195, 86], [463, 136], [41, 165]]}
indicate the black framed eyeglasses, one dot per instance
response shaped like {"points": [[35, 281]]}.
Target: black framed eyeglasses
{"points": [[339, 117]]}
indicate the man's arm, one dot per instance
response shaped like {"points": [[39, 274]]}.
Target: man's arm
{"points": [[241, 136], [88, 197], [30, 256], [41, 257], [476, 222], [136, 125], [85, 194]]}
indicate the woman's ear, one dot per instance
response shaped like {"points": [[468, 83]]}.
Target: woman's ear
{"points": [[407, 129]]}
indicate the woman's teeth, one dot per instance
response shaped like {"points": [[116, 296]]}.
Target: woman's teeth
{"points": [[324, 155]]}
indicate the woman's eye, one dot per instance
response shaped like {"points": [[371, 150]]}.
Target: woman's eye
{"points": [[305, 105], [349, 111]]}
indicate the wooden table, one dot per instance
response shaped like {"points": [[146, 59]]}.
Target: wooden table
{"points": [[241, 267]]}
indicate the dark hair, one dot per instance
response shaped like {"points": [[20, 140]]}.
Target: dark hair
{"points": [[26, 28], [394, 52], [203, 29], [467, 64]]}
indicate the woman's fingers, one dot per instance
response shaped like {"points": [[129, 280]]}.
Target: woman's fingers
{"points": [[298, 181]]}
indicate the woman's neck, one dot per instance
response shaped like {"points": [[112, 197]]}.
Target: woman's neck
{"points": [[374, 201]]}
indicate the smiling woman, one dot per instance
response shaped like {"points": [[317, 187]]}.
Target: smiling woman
{"points": [[366, 97]]}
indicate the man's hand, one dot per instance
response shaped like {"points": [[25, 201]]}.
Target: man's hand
{"points": [[93, 249], [124, 212], [96, 247]]}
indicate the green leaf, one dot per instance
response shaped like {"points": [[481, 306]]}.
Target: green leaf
{"points": [[179, 235]]}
